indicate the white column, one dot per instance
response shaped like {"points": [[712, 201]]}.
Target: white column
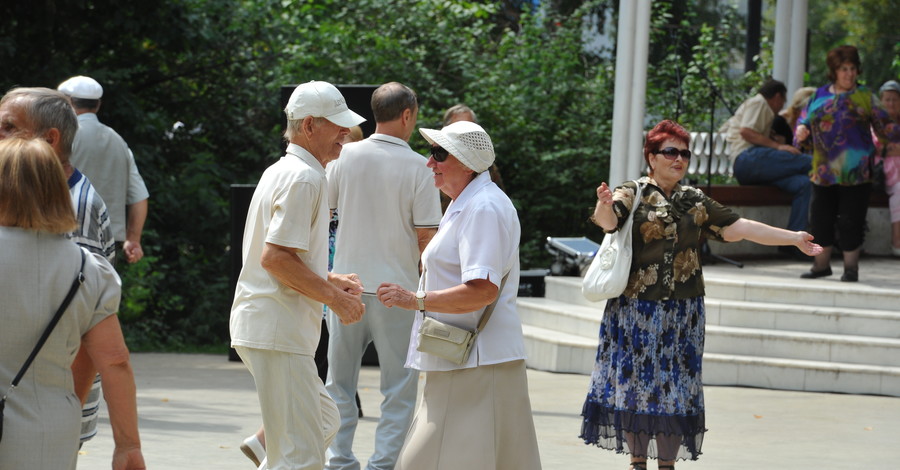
{"points": [[797, 65], [619, 151], [635, 162], [782, 54]]}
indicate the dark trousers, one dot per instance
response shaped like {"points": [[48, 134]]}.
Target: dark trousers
{"points": [[843, 208]]}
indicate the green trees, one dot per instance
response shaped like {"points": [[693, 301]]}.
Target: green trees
{"points": [[216, 67]]}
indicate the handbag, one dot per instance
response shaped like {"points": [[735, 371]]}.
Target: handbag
{"points": [[451, 342], [607, 275], [79, 279]]}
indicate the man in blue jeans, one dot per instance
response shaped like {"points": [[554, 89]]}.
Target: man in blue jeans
{"points": [[758, 159]]}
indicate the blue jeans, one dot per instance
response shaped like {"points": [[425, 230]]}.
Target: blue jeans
{"points": [[784, 170]]}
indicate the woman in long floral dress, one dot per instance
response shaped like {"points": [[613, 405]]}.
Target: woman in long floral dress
{"points": [[646, 393]]}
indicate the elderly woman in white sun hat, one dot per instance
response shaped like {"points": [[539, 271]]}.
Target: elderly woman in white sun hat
{"points": [[474, 416]]}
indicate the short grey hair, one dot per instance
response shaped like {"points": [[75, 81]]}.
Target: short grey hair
{"points": [[47, 109]]}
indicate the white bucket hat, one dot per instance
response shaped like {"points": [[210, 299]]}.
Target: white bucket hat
{"points": [[321, 99], [466, 141], [81, 87]]}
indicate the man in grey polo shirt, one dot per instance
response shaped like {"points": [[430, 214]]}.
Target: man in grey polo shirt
{"points": [[101, 154], [389, 210]]}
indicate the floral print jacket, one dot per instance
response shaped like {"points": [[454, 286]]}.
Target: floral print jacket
{"points": [[666, 238]]}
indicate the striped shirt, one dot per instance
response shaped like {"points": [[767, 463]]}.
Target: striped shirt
{"points": [[93, 231]]}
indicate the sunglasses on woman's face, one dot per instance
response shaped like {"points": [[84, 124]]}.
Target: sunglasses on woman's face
{"points": [[439, 154], [672, 153]]}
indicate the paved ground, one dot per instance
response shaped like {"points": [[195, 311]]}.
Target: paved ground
{"points": [[195, 409]]}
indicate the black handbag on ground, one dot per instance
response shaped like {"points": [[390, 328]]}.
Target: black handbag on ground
{"points": [[79, 279]]}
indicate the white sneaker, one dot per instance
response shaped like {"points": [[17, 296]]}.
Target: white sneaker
{"points": [[254, 450], [264, 465]]}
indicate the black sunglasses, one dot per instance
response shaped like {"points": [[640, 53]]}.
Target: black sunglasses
{"points": [[672, 153], [439, 154]]}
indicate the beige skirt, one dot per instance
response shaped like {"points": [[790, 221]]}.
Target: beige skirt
{"points": [[473, 419]]}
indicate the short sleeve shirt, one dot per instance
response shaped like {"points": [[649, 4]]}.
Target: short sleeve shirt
{"points": [[288, 209], [382, 191], [755, 114], [666, 238], [478, 238]]}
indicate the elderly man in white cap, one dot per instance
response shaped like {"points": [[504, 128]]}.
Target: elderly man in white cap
{"points": [[277, 311], [101, 154]]}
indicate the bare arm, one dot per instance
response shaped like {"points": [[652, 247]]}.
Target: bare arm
{"points": [[424, 236], [106, 347], [134, 227], [603, 215], [758, 139], [340, 292], [463, 298], [758, 232]]}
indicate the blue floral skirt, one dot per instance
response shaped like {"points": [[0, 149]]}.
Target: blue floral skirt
{"points": [[646, 394]]}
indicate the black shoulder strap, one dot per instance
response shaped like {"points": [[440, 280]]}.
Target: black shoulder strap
{"points": [[79, 279]]}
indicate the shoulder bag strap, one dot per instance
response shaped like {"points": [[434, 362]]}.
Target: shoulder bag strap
{"points": [[79, 279], [487, 310], [490, 308]]}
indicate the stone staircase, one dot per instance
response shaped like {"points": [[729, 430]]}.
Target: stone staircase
{"points": [[761, 331]]}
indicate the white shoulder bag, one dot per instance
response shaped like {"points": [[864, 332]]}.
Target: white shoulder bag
{"points": [[607, 276]]}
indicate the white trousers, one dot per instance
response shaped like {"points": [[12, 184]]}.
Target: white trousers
{"points": [[300, 417]]}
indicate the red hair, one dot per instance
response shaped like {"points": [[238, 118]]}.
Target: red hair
{"points": [[662, 132]]}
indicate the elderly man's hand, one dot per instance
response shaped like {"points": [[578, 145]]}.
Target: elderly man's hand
{"points": [[348, 306]]}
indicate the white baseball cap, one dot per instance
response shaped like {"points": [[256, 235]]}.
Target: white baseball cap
{"points": [[81, 87], [466, 141], [321, 99]]}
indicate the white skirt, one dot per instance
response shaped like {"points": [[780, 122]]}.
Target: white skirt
{"points": [[473, 419]]}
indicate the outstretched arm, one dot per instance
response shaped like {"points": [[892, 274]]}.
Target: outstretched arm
{"points": [[758, 232]]}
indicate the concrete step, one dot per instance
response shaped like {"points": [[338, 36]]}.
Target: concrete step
{"points": [[559, 316], [819, 292], [776, 286], [560, 352], [814, 319], [803, 346], [810, 376], [584, 322]]}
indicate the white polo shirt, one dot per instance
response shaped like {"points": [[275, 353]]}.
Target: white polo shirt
{"points": [[478, 238], [289, 209], [383, 191]]}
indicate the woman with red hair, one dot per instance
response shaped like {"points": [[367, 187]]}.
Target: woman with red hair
{"points": [[646, 394]]}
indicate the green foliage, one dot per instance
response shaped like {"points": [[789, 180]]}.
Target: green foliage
{"points": [[216, 67], [873, 26]]}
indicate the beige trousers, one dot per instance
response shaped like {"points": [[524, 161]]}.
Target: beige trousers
{"points": [[300, 417]]}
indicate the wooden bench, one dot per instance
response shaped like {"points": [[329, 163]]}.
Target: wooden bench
{"points": [[761, 196]]}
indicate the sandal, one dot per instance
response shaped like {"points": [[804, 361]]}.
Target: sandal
{"points": [[668, 467], [638, 465]]}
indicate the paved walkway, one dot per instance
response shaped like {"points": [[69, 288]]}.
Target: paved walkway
{"points": [[196, 409]]}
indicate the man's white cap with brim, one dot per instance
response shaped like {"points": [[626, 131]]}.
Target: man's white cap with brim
{"points": [[466, 141], [321, 99], [81, 87]]}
